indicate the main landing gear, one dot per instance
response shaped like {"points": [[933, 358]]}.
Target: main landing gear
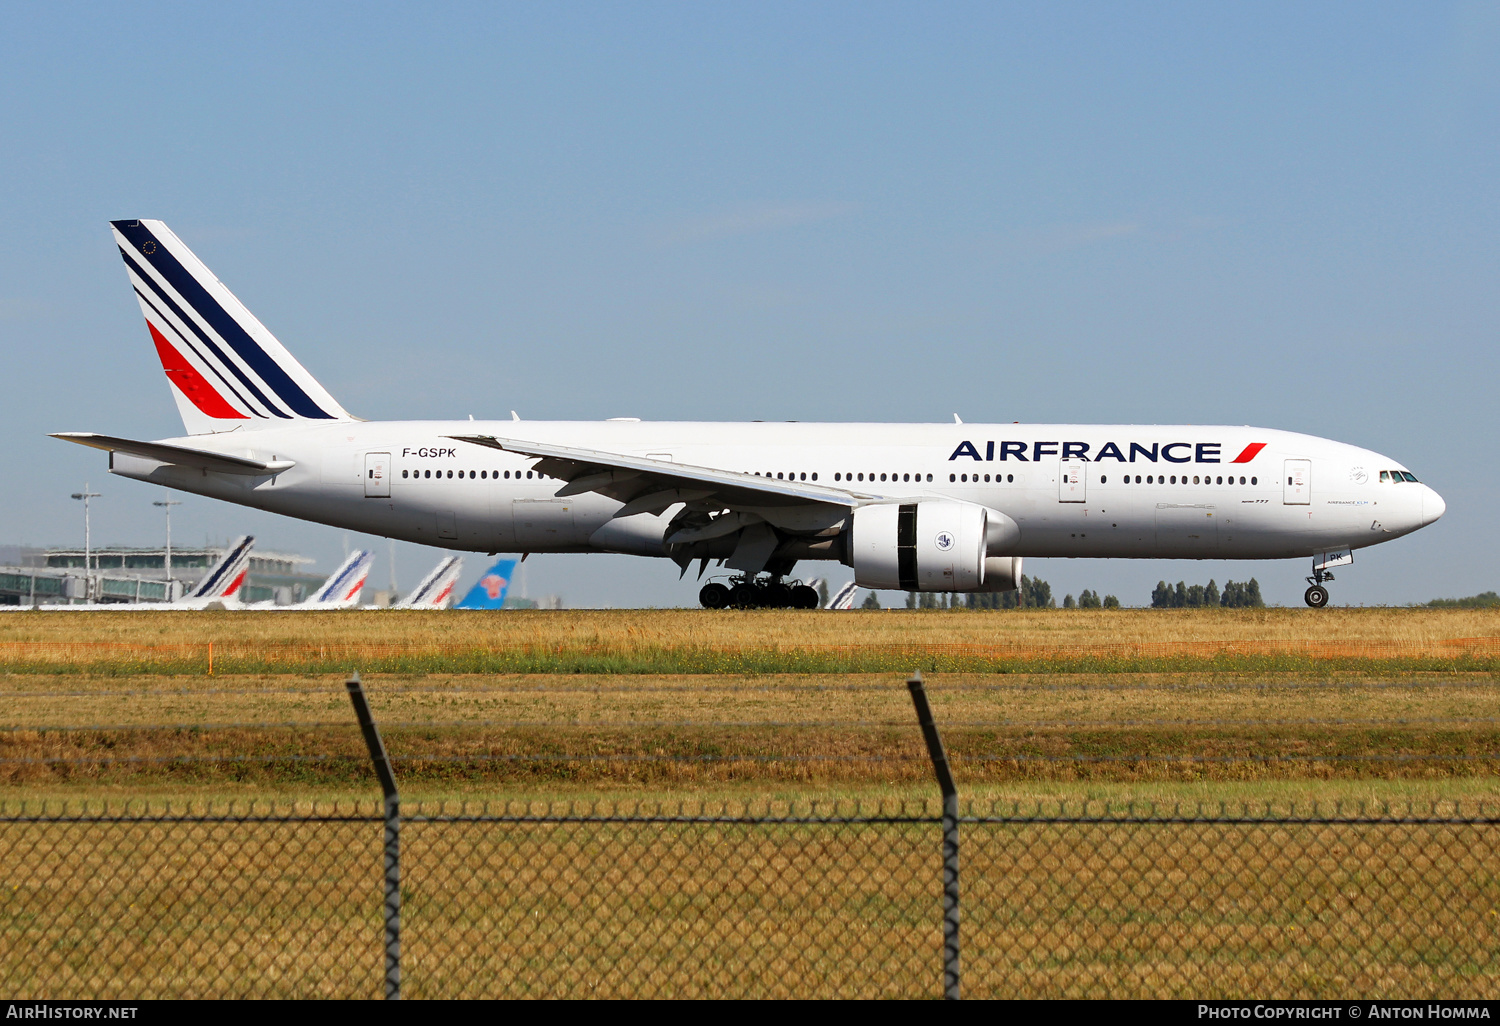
{"points": [[770, 592]]}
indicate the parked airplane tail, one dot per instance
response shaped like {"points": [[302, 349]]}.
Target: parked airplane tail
{"points": [[344, 585], [436, 589], [489, 593], [223, 580], [226, 370], [843, 598]]}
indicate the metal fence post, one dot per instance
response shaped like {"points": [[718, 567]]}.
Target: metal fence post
{"points": [[392, 836], [950, 833]]}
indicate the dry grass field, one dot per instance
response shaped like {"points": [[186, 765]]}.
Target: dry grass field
{"points": [[698, 641], [573, 730], [734, 629], [1278, 711], [81, 690]]}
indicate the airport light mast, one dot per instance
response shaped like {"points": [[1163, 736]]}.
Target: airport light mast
{"points": [[167, 505], [88, 576]]}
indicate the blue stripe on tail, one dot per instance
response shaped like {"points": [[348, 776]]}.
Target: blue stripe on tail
{"points": [[220, 320]]}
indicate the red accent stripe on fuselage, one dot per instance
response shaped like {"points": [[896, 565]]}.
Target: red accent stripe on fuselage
{"points": [[190, 383], [1251, 451]]}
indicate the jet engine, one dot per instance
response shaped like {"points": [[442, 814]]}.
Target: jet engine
{"points": [[931, 545]]}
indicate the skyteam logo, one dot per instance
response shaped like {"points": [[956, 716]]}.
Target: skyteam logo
{"points": [[1124, 452], [944, 541]]}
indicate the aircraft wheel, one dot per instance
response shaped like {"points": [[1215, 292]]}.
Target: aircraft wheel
{"points": [[777, 596], [804, 597], [1317, 596], [714, 596], [745, 596]]}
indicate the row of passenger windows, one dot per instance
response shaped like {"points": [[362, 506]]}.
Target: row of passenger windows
{"points": [[893, 477], [1398, 476], [481, 474], [1104, 479], [1163, 479], [1385, 475]]}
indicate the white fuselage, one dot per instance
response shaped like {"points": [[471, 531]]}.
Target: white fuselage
{"points": [[1073, 490]]}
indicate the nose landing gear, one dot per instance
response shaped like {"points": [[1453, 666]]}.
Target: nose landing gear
{"points": [[1317, 596]]}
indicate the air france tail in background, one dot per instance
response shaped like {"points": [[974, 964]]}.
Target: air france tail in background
{"points": [[223, 581], [843, 598], [436, 589], [489, 593], [341, 590]]}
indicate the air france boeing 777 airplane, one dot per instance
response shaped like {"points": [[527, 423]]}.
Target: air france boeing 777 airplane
{"points": [[915, 507]]}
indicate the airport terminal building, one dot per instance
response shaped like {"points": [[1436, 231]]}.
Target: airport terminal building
{"points": [[31, 577]]}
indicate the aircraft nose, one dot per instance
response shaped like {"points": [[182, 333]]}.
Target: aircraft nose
{"points": [[1433, 505]]}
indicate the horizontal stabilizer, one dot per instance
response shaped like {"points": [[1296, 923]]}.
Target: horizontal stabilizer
{"points": [[179, 455]]}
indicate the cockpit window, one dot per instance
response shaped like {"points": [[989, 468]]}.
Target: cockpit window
{"points": [[1385, 477], [1408, 475]]}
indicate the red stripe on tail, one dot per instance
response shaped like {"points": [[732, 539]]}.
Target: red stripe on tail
{"points": [[189, 382], [1251, 451], [236, 585]]}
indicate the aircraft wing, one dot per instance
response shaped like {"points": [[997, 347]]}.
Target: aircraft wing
{"points": [[178, 455], [648, 485]]}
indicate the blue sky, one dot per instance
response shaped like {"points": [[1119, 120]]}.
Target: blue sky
{"points": [[1278, 214]]}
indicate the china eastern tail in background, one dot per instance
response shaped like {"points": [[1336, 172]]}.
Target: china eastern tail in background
{"points": [[915, 507]]}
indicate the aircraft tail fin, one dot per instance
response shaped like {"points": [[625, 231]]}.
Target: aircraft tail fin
{"points": [[226, 370], [343, 586], [843, 598], [489, 593], [224, 579], [436, 589]]}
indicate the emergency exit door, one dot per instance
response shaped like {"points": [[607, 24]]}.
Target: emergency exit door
{"points": [[377, 475], [1070, 483], [1296, 483]]}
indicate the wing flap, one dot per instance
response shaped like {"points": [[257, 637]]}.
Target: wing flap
{"points": [[628, 478]]}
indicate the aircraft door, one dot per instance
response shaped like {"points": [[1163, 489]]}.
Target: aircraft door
{"points": [[1070, 482], [1296, 483], [377, 475]]}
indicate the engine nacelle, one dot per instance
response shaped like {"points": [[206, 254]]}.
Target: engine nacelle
{"points": [[927, 545], [1002, 573]]}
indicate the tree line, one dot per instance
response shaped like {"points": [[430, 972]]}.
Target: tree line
{"points": [[1484, 600], [1035, 593], [1236, 595]]}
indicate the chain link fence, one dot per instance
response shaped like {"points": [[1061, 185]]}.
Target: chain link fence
{"points": [[747, 899]]}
